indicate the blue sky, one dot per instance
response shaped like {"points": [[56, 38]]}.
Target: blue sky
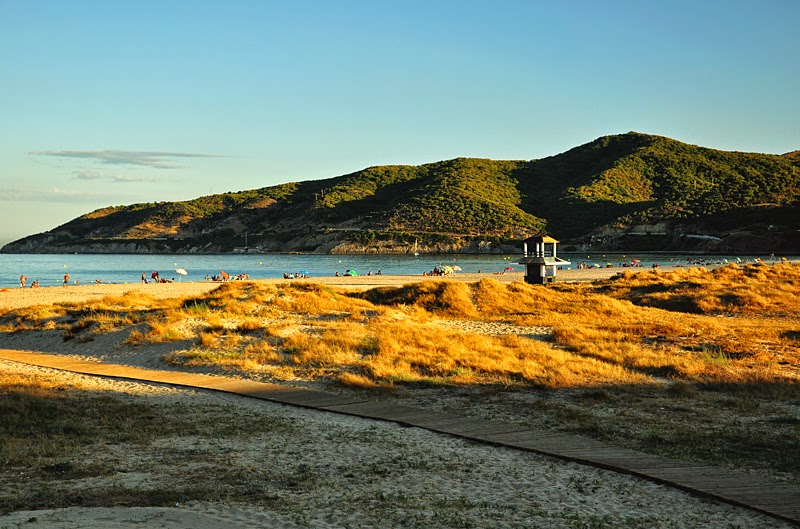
{"points": [[107, 103]]}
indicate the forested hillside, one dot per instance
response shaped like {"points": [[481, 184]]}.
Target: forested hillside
{"points": [[615, 192]]}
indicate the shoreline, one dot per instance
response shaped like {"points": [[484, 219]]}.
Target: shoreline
{"points": [[516, 251], [49, 270]]}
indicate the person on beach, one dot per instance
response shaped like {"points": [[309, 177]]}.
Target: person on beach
{"points": [[144, 279], [66, 279], [22, 280]]}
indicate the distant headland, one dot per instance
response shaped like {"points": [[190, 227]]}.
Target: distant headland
{"points": [[624, 192]]}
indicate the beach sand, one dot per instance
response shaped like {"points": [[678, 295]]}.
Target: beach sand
{"points": [[20, 297], [368, 473]]}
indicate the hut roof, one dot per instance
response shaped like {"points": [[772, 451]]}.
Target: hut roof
{"points": [[540, 238]]}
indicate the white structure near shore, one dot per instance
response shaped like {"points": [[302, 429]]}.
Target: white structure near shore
{"points": [[540, 259]]}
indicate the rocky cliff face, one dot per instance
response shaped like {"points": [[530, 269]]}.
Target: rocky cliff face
{"points": [[702, 236]]}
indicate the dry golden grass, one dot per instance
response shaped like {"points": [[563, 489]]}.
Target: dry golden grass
{"points": [[410, 352], [748, 290], [639, 328], [347, 338], [444, 298]]}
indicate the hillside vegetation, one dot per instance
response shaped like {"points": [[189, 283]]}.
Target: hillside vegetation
{"points": [[637, 178], [630, 190]]}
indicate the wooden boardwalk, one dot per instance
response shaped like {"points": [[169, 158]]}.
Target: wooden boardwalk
{"points": [[781, 500]]}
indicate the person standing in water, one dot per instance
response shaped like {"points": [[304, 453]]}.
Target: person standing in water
{"points": [[22, 280], [66, 279]]}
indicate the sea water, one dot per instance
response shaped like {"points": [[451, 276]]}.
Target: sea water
{"points": [[50, 269]]}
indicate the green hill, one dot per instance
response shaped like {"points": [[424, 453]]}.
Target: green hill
{"points": [[636, 178], [624, 191]]}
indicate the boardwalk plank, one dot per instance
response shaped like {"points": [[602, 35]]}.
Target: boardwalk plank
{"points": [[484, 429], [310, 398], [389, 412]]}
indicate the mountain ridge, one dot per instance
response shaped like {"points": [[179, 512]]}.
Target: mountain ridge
{"points": [[616, 192]]}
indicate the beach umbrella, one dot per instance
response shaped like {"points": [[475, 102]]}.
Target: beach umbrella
{"points": [[304, 272], [181, 272], [350, 272], [509, 268], [457, 268]]}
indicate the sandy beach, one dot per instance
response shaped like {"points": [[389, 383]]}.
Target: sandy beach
{"points": [[20, 297], [366, 473]]}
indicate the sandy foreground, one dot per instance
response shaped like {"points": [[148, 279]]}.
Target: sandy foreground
{"points": [[419, 478]]}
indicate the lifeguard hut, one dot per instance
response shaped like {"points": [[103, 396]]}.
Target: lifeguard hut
{"points": [[540, 259]]}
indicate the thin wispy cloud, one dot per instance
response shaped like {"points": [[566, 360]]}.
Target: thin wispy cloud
{"points": [[53, 194], [97, 176], [152, 159]]}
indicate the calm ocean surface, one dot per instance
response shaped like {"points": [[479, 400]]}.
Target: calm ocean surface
{"points": [[116, 268]]}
